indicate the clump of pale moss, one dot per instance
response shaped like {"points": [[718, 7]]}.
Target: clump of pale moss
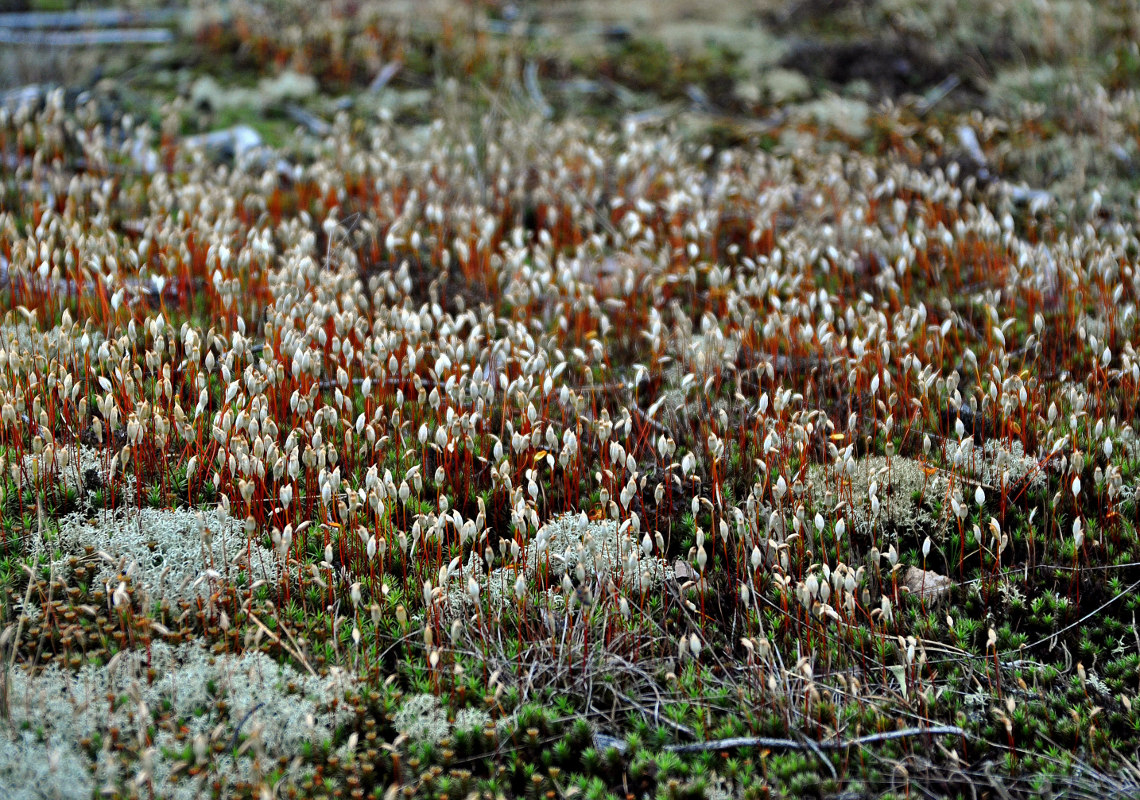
{"points": [[472, 719], [602, 548], [35, 765], [577, 552], [997, 463], [905, 495], [900, 494], [422, 719], [278, 708], [173, 554]]}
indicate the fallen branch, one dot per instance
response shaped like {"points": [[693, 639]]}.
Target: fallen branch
{"points": [[791, 744]]}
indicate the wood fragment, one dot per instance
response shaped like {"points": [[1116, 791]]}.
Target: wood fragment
{"points": [[791, 744], [739, 742]]}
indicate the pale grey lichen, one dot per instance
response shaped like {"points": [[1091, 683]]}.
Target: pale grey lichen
{"points": [[916, 497], [907, 491], [422, 719], [602, 548], [472, 719], [997, 463], [605, 552], [173, 554], [54, 709], [35, 767]]}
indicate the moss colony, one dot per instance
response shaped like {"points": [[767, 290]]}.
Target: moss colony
{"points": [[499, 439]]}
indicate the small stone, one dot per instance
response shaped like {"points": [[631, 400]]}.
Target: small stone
{"points": [[684, 572], [927, 584]]}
